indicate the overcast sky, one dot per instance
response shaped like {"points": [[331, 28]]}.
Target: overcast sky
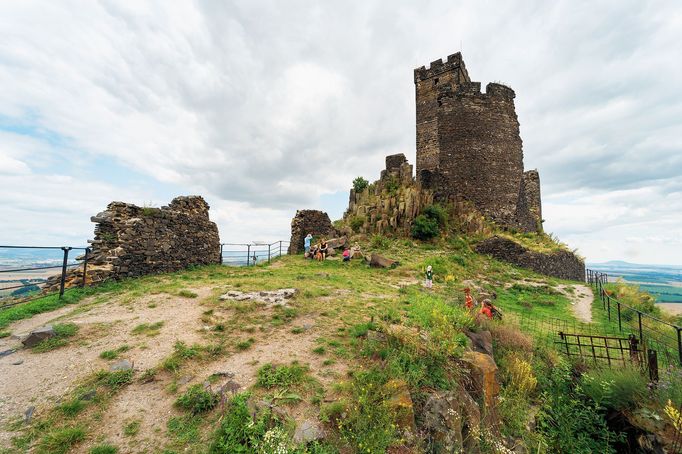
{"points": [[265, 107]]}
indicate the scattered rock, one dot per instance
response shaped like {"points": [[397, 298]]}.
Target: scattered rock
{"points": [[121, 365], [379, 261], [18, 362], [185, 379], [481, 341], [39, 335], [231, 386], [308, 431], [88, 395], [270, 298], [7, 352], [28, 414]]}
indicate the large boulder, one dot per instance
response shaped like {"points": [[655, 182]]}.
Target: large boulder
{"points": [[453, 421], [484, 382], [400, 404], [39, 335], [481, 341], [309, 221], [379, 261]]}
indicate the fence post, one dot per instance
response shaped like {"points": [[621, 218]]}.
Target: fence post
{"points": [[620, 328], [679, 343], [280, 248], [269, 252], [248, 254], [641, 335], [608, 302], [652, 364], [221, 253], [63, 280], [85, 266]]}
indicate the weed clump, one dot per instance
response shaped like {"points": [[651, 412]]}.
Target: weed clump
{"points": [[197, 400], [270, 376], [62, 331], [149, 329]]}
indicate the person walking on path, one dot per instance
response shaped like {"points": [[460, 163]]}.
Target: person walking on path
{"points": [[429, 277], [306, 242]]}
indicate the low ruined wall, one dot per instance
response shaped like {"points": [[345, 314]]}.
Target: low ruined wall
{"points": [[135, 241], [309, 221], [561, 264]]}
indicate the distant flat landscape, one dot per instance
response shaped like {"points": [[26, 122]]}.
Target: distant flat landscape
{"points": [[662, 281]]}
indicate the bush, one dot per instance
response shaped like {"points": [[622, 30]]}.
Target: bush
{"points": [[510, 338], [618, 389], [356, 223], [425, 228], [437, 213], [197, 400], [360, 184], [380, 242]]}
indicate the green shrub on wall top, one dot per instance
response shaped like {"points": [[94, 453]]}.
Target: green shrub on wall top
{"points": [[359, 184]]}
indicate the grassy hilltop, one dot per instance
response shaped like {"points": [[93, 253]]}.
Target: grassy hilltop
{"points": [[357, 351]]}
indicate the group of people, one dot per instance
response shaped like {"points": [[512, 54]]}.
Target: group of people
{"points": [[320, 251], [487, 308]]}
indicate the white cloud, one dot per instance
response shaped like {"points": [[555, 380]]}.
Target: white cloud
{"points": [[265, 106]]}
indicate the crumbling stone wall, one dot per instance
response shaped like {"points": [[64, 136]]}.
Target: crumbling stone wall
{"points": [[390, 204], [561, 264], [309, 221], [135, 241], [469, 145]]}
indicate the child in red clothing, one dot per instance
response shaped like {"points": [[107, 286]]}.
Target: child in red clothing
{"points": [[468, 299], [487, 309]]}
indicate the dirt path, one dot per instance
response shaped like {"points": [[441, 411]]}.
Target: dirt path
{"points": [[581, 300], [42, 378]]}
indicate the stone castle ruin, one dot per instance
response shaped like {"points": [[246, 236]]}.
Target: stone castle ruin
{"points": [[469, 153], [134, 241]]}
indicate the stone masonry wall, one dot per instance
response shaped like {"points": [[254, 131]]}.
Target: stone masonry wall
{"points": [[135, 241], [309, 221], [561, 264], [469, 145], [390, 204]]}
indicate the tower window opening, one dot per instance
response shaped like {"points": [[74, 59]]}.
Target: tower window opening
{"points": [[435, 81]]}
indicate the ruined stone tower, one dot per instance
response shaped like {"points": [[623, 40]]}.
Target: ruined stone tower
{"points": [[469, 146]]}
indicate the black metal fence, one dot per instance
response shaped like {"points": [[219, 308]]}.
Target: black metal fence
{"points": [[250, 254], [654, 333], [24, 270], [23, 276]]}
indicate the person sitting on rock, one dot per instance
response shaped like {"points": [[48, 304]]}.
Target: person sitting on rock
{"points": [[324, 249], [487, 309], [346, 254], [312, 253]]}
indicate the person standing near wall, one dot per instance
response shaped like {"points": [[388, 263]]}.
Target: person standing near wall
{"points": [[306, 242]]}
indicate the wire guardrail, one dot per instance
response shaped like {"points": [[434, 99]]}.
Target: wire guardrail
{"points": [[250, 254], [656, 334], [23, 276]]}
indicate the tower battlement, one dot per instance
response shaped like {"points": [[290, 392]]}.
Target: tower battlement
{"points": [[452, 63]]}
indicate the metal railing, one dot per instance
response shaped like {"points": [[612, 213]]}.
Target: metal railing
{"points": [[250, 254], [654, 333], [23, 276], [20, 282]]}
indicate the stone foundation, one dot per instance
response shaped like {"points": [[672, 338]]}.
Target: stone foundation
{"points": [[561, 264]]}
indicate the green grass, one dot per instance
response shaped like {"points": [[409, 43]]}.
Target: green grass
{"points": [[104, 448], [63, 331], [270, 376], [131, 428], [187, 294], [113, 354], [197, 400], [148, 329], [60, 441]]}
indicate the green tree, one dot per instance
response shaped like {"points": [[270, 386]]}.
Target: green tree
{"points": [[360, 184]]}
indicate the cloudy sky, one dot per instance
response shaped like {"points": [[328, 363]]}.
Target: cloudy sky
{"points": [[264, 107]]}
